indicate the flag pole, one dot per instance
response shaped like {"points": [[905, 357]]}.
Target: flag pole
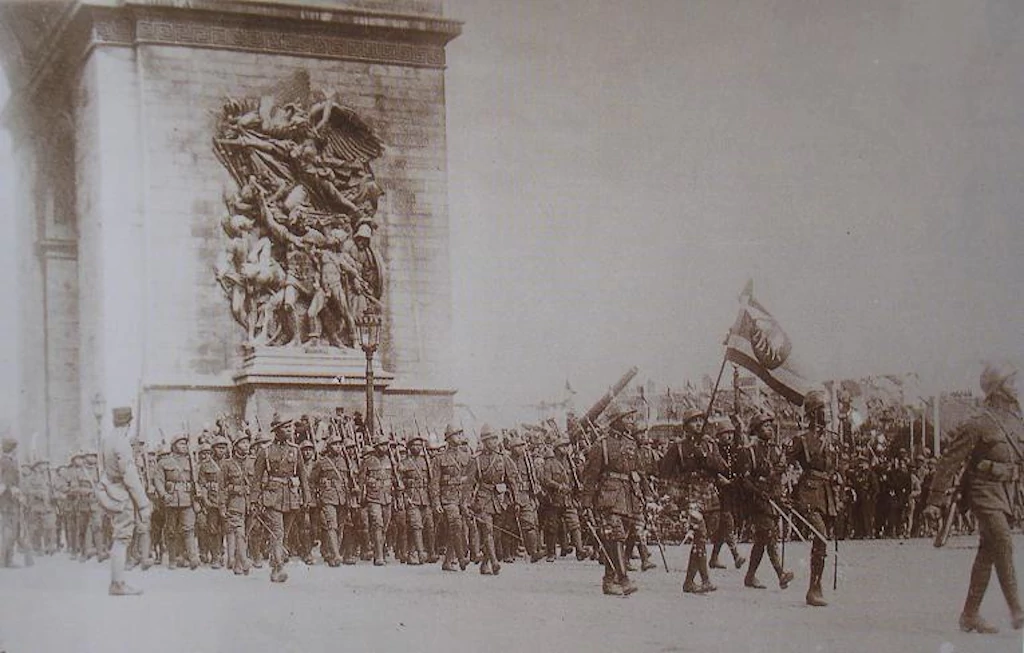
{"points": [[714, 391]]}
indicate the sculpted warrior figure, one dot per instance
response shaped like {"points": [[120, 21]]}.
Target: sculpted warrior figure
{"points": [[298, 265]]}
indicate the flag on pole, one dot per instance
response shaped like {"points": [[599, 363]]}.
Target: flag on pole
{"points": [[568, 388], [757, 342]]}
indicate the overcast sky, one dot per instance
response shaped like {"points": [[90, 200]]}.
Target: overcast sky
{"points": [[618, 170]]}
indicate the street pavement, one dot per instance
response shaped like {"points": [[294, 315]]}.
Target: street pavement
{"points": [[899, 596]]}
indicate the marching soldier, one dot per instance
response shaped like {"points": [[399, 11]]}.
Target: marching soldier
{"points": [[93, 513], [211, 501], [355, 530], [558, 483], [308, 517], [696, 462], [78, 508], [814, 495], [235, 495], [608, 477], [447, 498], [987, 448], [42, 524], [177, 494], [489, 487], [761, 465], [281, 489], [416, 473], [526, 494], [333, 481], [730, 446], [647, 469], [378, 482]]}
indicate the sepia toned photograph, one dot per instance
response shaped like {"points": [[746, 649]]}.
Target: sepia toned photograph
{"points": [[453, 326]]}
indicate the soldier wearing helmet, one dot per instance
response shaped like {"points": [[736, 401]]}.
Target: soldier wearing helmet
{"points": [[558, 482], [987, 449], [488, 490], [694, 463], [419, 518], [334, 482], [730, 444], [209, 521], [815, 493], [281, 488], [761, 465], [447, 490], [174, 484], [609, 479], [234, 481], [378, 480]]}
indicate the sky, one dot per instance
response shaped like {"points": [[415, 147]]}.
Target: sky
{"points": [[618, 171]]}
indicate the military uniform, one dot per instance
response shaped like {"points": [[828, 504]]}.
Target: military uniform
{"points": [[122, 495], [281, 488], [609, 474], [415, 473], [377, 478], [449, 473], [235, 490], [987, 447], [212, 543], [306, 529], [695, 462], [557, 480], [173, 477], [333, 482], [761, 465], [42, 515], [488, 490], [730, 498], [814, 495], [525, 505]]}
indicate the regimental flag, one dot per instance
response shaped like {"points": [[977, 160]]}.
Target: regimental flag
{"points": [[758, 343], [568, 388]]}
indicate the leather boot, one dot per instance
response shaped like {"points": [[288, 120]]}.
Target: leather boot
{"points": [[628, 586], [814, 595], [705, 576], [1007, 576], [610, 583], [689, 586], [785, 577], [532, 546], [420, 552], [734, 550], [449, 560], [550, 544], [577, 544], [756, 554], [646, 564]]}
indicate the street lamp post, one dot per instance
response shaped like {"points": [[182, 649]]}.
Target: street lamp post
{"points": [[99, 405], [369, 338]]}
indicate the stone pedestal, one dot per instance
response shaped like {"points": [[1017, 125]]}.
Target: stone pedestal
{"points": [[295, 381], [113, 109]]}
